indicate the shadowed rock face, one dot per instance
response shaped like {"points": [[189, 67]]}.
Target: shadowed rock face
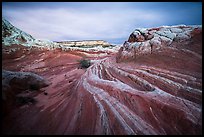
{"points": [[158, 93], [14, 83], [23, 79]]}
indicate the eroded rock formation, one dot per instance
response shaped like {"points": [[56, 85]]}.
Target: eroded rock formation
{"points": [[12, 35], [148, 97], [157, 93], [144, 41]]}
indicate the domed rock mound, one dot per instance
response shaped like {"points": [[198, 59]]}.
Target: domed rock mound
{"points": [[146, 41]]}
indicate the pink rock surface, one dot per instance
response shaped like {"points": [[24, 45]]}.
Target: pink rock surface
{"points": [[156, 93]]}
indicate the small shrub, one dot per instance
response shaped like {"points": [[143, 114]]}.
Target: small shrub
{"points": [[85, 63]]}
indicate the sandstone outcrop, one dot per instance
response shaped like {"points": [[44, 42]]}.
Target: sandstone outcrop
{"points": [[12, 35], [145, 41], [159, 92]]}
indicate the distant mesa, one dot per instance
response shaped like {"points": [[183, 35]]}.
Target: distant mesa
{"points": [[84, 43]]}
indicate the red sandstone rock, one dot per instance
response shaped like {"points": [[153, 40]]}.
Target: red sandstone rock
{"points": [[158, 91]]}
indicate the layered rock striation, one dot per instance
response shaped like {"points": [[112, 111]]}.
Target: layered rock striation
{"points": [[159, 93], [150, 97]]}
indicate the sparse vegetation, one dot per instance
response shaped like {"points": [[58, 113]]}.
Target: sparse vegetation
{"points": [[85, 63]]}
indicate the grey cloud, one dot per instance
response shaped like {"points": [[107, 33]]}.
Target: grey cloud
{"points": [[55, 24]]}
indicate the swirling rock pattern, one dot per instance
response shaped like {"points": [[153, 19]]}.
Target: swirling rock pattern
{"points": [[149, 96], [156, 89]]}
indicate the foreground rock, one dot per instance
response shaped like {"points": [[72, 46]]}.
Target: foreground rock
{"points": [[14, 83]]}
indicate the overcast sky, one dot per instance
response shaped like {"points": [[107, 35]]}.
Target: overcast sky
{"points": [[110, 21]]}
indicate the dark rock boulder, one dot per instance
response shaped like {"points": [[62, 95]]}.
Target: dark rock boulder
{"points": [[14, 83]]}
